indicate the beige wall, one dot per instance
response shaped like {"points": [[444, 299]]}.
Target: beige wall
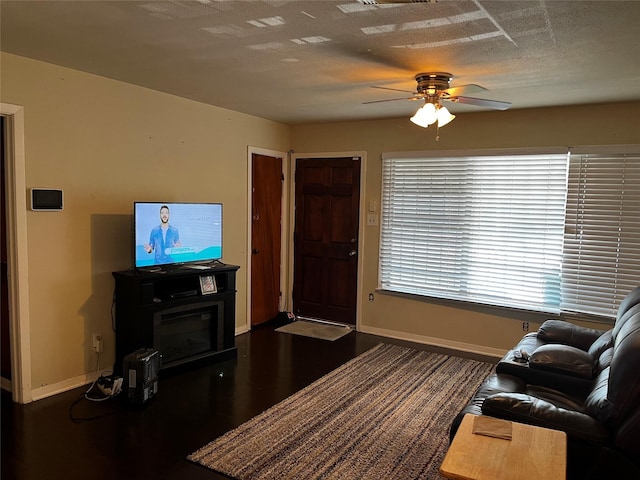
{"points": [[469, 328], [107, 144]]}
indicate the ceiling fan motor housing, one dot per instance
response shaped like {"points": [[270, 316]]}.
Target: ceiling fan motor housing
{"points": [[433, 82]]}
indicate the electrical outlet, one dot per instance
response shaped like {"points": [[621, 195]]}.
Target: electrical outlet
{"points": [[525, 326], [97, 343], [372, 219]]}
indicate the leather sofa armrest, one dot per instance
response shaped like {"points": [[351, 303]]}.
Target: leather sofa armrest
{"points": [[524, 408], [493, 384], [559, 331], [564, 359]]}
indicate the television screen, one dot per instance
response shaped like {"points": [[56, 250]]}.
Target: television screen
{"points": [[170, 233]]}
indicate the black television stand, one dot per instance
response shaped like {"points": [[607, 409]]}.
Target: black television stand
{"points": [[167, 310]]}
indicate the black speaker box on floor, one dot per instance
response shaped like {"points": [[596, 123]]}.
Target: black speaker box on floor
{"points": [[140, 374]]}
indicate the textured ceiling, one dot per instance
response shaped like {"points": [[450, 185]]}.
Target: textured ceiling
{"points": [[316, 60]]}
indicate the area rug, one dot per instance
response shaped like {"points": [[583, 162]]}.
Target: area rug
{"points": [[315, 330], [383, 415]]}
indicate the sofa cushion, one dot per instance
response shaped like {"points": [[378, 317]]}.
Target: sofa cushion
{"points": [[624, 377], [603, 343], [604, 360], [596, 403], [524, 408], [630, 300], [563, 358], [621, 320], [556, 397], [559, 331], [561, 380], [493, 384]]}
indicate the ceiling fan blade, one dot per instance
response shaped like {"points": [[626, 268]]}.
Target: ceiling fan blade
{"points": [[393, 100], [480, 102], [394, 89], [464, 90]]}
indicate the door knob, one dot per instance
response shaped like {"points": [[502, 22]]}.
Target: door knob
{"points": [[255, 251]]}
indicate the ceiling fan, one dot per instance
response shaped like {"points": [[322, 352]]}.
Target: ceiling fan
{"points": [[433, 87], [436, 86]]}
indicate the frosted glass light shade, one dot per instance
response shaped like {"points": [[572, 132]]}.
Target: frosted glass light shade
{"points": [[425, 116], [444, 116]]}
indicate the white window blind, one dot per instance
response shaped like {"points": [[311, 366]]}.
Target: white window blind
{"points": [[486, 229], [602, 235]]}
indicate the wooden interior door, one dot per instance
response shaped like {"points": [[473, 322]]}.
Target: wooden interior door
{"points": [[266, 215], [327, 198], [5, 345]]}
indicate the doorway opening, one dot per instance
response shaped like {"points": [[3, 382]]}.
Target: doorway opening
{"points": [[327, 238], [15, 209], [267, 228]]}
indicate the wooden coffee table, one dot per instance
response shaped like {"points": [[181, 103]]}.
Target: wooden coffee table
{"points": [[531, 452]]}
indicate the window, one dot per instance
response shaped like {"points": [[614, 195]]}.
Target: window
{"points": [[602, 233], [495, 229]]}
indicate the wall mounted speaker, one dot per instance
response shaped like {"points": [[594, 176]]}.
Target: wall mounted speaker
{"points": [[46, 200]]}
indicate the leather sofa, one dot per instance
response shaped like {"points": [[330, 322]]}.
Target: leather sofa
{"points": [[585, 382]]}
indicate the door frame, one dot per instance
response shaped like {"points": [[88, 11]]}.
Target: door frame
{"points": [[284, 228], [17, 253], [361, 222]]}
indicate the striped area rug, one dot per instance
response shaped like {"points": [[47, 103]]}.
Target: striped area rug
{"points": [[383, 415]]}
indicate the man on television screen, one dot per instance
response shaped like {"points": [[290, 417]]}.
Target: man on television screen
{"points": [[162, 238]]}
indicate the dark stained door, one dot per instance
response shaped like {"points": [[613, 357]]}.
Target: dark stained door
{"points": [[327, 195], [5, 345], [266, 215]]}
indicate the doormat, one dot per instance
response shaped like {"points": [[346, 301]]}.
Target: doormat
{"points": [[315, 330]]}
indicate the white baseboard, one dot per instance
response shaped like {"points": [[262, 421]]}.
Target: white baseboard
{"points": [[71, 383], [64, 386], [436, 342], [241, 330]]}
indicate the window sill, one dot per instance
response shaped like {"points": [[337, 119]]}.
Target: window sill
{"points": [[520, 314]]}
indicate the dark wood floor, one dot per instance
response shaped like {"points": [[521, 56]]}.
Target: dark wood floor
{"points": [[40, 441]]}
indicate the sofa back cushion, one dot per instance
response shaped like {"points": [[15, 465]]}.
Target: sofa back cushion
{"points": [[559, 331], [563, 358], [632, 298], [597, 403], [622, 319], [602, 344], [624, 377], [615, 395]]}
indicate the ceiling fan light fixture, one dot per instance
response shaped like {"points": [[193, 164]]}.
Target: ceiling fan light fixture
{"points": [[444, 116], [425, 116]]}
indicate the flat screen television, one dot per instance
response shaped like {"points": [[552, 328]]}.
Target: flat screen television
{"points": [[176, 233]]}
